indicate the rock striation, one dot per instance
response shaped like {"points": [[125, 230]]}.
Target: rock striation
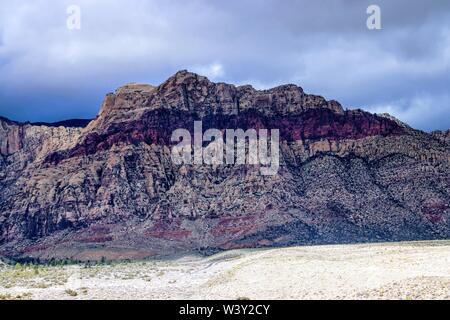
{"points": [[109, 188]]}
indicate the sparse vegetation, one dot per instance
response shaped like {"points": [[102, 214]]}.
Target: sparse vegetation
{"points": [[298, 272], [71, 292], [160, 274], [23, 296], [33, 276]]}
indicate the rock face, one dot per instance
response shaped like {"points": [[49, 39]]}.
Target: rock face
{"points": [[111, 189], [444, 136]]}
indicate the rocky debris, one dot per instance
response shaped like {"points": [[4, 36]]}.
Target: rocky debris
{"points": [[345, 176], [443, 136]]}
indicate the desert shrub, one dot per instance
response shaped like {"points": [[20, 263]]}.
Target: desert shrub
{"points": [[71, 292]]}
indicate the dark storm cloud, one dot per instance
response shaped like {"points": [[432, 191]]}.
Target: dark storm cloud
{"points": [[48, 72]]}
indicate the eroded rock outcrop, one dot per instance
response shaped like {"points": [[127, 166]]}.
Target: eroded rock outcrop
{"points": [[111, 187]]}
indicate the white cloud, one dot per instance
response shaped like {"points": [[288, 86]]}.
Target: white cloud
{"points": [[214, 71], [419, 111]]}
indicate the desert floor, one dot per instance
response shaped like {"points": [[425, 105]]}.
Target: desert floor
{"points": [[410, 270]]}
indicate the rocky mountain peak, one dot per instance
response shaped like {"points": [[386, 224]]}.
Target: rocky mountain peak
{"points": [[135, 87], [344, 176], [190, 92], [390, 117], [185, 76]]}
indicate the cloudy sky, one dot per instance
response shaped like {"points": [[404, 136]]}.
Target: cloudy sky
{"points": [[49, 72]]}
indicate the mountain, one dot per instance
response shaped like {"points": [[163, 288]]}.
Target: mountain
{"points": [[72, 123], [110, 189]]}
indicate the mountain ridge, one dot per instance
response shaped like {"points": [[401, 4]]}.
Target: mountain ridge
{"points": [[110, 189]]}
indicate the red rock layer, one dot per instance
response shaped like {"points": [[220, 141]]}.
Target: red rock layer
{"points": [[157, 126]]}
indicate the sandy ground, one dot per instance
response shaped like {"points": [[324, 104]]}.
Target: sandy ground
{"points": [[413, 270]]}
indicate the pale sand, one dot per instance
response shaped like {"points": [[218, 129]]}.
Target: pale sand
{"points": [[413, 270]]}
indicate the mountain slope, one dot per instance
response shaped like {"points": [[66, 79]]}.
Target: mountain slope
{"points": [[111, 189]]}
